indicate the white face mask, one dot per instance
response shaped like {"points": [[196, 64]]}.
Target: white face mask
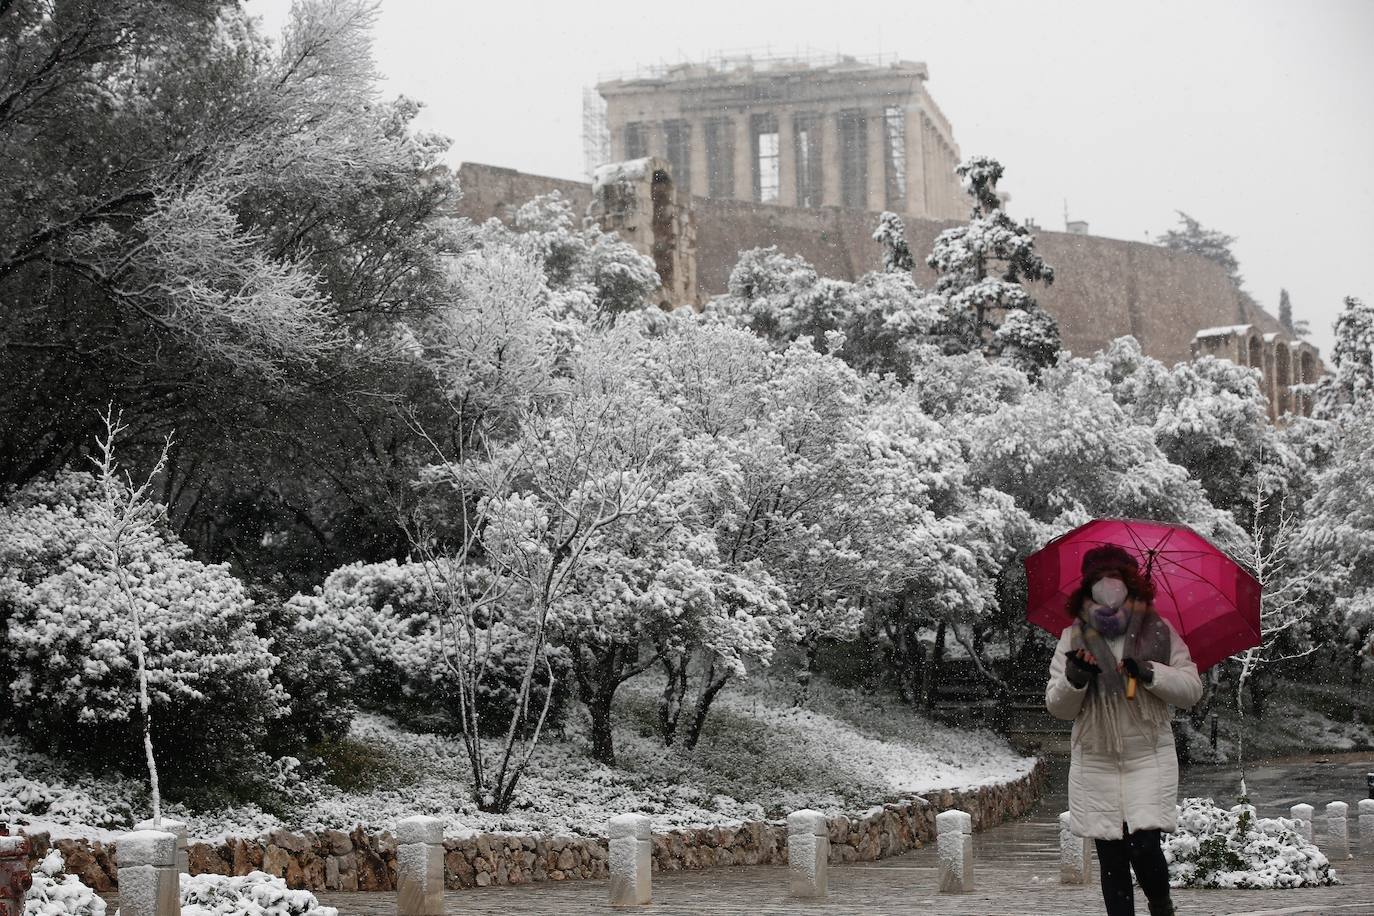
{"points": [[1111, 592]]}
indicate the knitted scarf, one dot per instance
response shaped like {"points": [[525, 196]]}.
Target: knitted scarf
{"points": [[1106, 712]]}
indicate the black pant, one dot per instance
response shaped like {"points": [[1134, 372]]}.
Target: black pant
{"points": [[1139, 850]]}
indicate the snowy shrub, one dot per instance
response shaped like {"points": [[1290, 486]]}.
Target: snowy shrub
{"points": [[67, 648], [1214, 847], [311, 673], [253, 894], [387, 625], [56, 894], [38, 789]]}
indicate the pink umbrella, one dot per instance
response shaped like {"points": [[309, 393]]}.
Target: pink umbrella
{"points": [[1211, 601]]}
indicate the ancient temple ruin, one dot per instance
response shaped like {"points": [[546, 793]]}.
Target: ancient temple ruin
{"points": [[797, 132]]}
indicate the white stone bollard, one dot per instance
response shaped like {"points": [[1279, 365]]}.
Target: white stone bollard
{"points": [[1367, 826], [149, 884], [808, 852], [420, 866], [1303, 815], [1075, 855], [954, 844], [631, 859], [1337, 830], [170, 826]]}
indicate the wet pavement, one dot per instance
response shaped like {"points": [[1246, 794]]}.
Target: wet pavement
{"points": [[1016, 867]]}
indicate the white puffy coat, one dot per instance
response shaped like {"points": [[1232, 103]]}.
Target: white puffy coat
{"points": [[1138, 787]]}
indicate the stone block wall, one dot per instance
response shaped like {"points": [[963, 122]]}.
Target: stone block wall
{"points": [[365, 861], [1103, 289]]}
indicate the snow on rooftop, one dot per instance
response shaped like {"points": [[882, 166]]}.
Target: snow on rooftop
{"points": [[1225, 331], [616, 172]]}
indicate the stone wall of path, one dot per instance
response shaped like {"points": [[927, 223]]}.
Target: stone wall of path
{"points": [[365, 861]]}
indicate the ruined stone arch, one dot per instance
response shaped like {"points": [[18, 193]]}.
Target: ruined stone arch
{"points": [[1283, 378], [1307, 375]]}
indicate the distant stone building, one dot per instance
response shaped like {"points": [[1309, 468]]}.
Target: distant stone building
{"points": [[797, 133], [638, 200], [1289, 367]]}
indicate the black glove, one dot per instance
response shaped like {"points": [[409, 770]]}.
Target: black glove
{"points": [[1141, 671], [1078, 671]]}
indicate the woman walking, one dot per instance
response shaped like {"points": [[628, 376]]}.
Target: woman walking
{"points": [[1117, 670]]}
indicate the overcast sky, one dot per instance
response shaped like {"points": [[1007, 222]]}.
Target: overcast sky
{"points": [[1254, 116]]}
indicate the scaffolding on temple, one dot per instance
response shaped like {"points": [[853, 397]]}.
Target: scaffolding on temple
{"points": [[596, 134]]}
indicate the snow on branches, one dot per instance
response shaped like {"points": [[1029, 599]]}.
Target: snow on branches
{"points": [[982, 266]]}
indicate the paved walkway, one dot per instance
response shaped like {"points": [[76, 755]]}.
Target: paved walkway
{"points": [[1016, 872]]}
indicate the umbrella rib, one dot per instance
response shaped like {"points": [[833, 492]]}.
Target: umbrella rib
{"points": [[1221, 594], [1181, 621]]}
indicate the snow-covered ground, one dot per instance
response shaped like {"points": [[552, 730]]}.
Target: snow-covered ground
{"points": [[758, 757]]}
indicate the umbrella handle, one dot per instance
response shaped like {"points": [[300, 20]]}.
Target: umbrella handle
{"points": [[1130, 688]]}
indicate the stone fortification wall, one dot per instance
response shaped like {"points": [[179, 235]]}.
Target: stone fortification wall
{"points": [[366, 861], [1104, 288]]}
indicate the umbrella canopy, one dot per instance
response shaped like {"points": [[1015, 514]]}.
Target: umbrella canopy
{"points": [[1211, 601]]}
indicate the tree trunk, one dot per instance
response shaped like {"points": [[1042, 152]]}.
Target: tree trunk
{"points": [[812, 647], [596, 689], [603, 746], [930, 676], [703, 706], [670, 703]]}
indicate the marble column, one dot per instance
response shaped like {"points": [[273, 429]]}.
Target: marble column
{"points": [[915, 163], [787, 158], [696, 158], [829, 126], [744, 156]]}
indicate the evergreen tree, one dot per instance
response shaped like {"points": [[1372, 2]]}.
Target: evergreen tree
{"points": [[1298, 329], [891, 234], [1208, 243], [1351, 382], [968, 258]]}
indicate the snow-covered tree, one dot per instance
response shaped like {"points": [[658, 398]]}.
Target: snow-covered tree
{"points": [[1351, 381], [1286, 608], [882, 318], [530, 481], [947, 538], [127, 522], [982, 267], [1207, 415], [69, 648], [225, 252], [595, 274], [1069, 452], [1337, 536], [386, 623], [891, 234]]}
